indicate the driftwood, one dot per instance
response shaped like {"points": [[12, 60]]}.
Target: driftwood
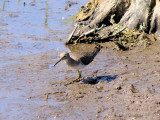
{"points": [[93, 31], [71, 35], [132, 13], [115, 33], [141, 15]]}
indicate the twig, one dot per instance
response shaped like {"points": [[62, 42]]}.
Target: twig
{"points": [[72, 33], [85, 34], [98, 29], [117, 32], [132, 88], [47, 97], [47, 94], [90, 32], [111, 30]]}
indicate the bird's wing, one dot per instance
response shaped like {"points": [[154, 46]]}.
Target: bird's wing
{"points": [[89, 57], [86, 59]]}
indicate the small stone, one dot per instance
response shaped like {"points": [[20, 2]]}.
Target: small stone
{"points": [[95, 71], [79, 96], [132, 88], [119, 88]]}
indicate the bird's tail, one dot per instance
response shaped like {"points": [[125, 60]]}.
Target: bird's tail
{"points": [[96, 49], [89, 56]]}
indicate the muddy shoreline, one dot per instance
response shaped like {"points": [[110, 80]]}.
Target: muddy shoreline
{"points": [[31, 88], [133, 94], [112, 100]]}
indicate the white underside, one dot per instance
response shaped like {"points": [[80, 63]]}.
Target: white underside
{"points": [[77, 67]]}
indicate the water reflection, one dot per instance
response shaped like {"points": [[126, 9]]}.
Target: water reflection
{"points": [[27, 30], [78, 48], [3, 6], [30, 25], [18, 1], [46, 15]]}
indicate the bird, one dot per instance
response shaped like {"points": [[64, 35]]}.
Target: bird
{"points": [[79, 61]]}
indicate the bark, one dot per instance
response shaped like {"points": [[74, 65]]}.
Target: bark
{"points": [[135, 14], [155, 21]]}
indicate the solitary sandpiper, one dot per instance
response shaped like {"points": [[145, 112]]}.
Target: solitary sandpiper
{"points": [[79, 62]]}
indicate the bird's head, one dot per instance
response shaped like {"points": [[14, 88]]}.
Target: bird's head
{"points": [[63, 56]]}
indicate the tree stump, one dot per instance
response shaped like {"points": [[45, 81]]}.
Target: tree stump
{"points": [[134, 14]]}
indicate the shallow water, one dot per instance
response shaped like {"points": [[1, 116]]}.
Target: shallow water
{"points": [[36, 26], [28, 28], [32, 36]]}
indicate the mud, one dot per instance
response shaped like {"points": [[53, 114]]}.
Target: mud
{"points": [[25, 84], [117, 85], [132, 93]]}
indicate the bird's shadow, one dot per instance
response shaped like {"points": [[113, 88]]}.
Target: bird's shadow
{"points": [[96, 79]]}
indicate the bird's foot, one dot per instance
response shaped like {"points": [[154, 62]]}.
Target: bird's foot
{"points": [[74, 81], [77, 80]]}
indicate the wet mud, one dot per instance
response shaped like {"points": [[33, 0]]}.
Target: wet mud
{"points": [[127, 87], [117, 85]]}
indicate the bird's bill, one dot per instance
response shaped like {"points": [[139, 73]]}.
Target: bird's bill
{"points": [[57, 62]]}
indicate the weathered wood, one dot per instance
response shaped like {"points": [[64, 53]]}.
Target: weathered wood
{"points": [[132, 13], [68, 41]]}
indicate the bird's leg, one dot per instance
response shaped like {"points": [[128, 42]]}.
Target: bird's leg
{"points": [[79, 75], [75, 80]]}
